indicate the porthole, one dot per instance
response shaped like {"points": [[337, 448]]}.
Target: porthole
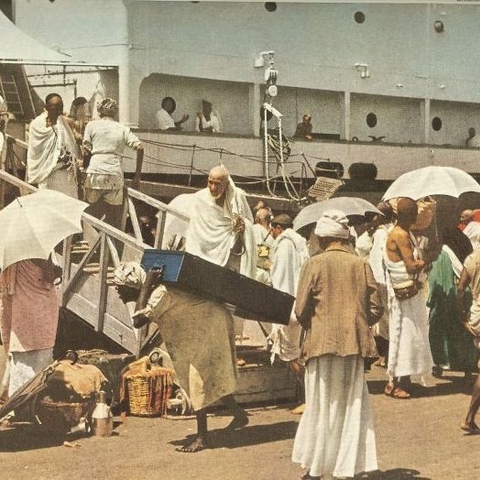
{"points": [[371, 120], [359, 17], [438, 26], [270, 6], [437, 124]]}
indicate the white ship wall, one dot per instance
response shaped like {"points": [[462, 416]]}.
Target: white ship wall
{"points": [[207, 49]]}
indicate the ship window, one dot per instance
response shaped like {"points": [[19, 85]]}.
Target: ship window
{"points": [[359, 17], [270, 6], [371, 120], [438, 26], [437, 124]]}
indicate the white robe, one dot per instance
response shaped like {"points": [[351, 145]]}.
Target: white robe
{"points": [[364, 245], [409, 349], [262, 235], [213, 123], [210, 232], [287, 255], [381, 328], [335, 435], [45, 147], [472, 231]]}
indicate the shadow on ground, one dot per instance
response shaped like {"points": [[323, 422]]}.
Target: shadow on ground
{"points": [[28, 437], [247, 436], [393, 474], [448, 386]]}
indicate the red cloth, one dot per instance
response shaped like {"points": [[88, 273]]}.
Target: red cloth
{"points": [[30, 308], [475, 218]]}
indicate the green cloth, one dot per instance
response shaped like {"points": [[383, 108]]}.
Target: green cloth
{"points": [[451, 345]]}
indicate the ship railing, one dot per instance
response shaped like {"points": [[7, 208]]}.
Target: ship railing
{"points": [[288, 176]]}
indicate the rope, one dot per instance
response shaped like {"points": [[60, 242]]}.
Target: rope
{"points": [[281, 148]]}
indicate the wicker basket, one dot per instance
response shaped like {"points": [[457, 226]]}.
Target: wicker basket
{"points": [[426, 212], [149, 391]]}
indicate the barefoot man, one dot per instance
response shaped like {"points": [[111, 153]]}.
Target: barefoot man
{"points": [[198, 334]]}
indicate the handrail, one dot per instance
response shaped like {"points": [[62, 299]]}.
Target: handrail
{"points": [[107, 241], [161, 207], [16, 141]]}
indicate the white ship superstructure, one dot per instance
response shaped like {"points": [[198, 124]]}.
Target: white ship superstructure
{"points": [[391, 84]]}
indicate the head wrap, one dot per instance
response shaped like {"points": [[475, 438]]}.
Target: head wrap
{"points": [[283, 220], [333, 223], [108, 107], [130, 274]]}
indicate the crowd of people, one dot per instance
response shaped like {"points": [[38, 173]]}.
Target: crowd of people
{"points": [[392, 289]]}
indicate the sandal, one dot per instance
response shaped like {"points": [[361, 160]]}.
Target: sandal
{"points": [[400, 393], [396, 392]]}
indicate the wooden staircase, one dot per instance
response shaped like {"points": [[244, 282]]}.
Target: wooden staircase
{"points": [[16, 92]]}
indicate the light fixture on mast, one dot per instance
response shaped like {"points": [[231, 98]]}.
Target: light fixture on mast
{"points": [[271, 76]]}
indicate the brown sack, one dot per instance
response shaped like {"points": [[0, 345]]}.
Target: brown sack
{"points": [[71, 381]]}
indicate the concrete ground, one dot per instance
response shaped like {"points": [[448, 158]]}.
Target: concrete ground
{"points": [[418, 438]]}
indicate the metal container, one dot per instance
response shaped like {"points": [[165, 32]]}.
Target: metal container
{"points": [[102, 419]]}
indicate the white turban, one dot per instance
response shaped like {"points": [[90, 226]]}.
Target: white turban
{"points": [[333, 223], [130, 274]]}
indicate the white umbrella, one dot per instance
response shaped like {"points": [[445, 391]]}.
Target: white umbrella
{"points": [[432, 181], [176, 227], [350, 206], [32, 225]]}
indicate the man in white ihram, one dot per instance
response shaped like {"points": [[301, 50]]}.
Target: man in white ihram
{"points": [[52, 151], [220, 229], [287, 255]]}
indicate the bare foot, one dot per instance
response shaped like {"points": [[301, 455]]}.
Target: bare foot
{"points": [[195, 446], [239, 421], [470, 428], [298, 410], [6, 424], [241, 362]]}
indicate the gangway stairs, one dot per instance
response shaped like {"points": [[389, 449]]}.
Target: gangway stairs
{"points": [[9, 91], [15, 90], [86, 289], [87, 292]]}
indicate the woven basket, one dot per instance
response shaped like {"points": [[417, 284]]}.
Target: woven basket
{"points": [[426, 212], [148, 392]]}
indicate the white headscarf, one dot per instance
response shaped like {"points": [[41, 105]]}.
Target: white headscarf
{"points": [[333, 223], [130, 274]]}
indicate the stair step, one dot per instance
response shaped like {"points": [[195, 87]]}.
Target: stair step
{"points": [[79, 250], [95, 268]]}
